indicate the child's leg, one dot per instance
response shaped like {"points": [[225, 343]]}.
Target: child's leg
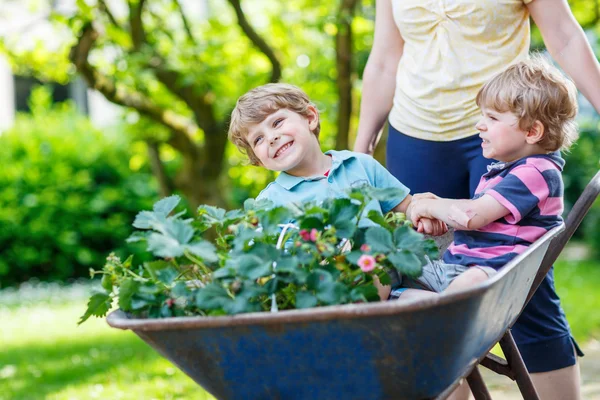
{"points": [[470, 277]]}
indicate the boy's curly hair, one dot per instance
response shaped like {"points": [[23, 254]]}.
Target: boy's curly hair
{"points": [[257, 104], [535, 90]]}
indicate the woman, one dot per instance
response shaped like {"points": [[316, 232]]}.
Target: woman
{"points": [[429, 59]]}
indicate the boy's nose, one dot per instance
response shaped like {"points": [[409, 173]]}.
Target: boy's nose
{"points": [[479, 125], [274, 139]]}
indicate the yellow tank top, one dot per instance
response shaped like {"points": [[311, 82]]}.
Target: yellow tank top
{"points": [[452, 47]]}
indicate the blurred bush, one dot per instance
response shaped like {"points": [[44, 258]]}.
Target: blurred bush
{"points": [[582, 163], [68, 193]]}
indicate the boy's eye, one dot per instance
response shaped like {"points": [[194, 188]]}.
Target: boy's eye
{"points": [[277, 122], [257, 140]]}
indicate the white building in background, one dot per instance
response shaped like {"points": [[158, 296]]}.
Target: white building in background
{"points": [[17, 20]]}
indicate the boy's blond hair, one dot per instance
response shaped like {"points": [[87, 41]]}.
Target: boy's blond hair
{"points": [[257, 104], [535, 90]]}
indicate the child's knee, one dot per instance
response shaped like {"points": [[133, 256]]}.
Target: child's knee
{"points": [[470, 277]]}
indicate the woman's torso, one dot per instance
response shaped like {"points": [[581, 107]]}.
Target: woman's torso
{"points": [[452, 47]]}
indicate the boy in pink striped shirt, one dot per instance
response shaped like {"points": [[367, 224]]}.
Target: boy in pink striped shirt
{"points": [[528, 115]]}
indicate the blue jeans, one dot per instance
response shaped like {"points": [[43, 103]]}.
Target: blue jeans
{"points": [[452, 170]]}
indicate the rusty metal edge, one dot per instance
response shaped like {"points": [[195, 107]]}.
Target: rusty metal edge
{"points": [[118, 319]]}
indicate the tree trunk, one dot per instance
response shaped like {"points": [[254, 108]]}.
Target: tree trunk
{"points": [[343, 47]]}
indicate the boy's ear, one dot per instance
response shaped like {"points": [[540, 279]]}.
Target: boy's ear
{"points": [[312, 117], [535, 133]]}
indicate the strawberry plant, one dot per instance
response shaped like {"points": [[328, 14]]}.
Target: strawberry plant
{"points": [[264, 257]]}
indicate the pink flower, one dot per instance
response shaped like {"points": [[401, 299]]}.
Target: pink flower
{"points": [[366, 263], [314, 234], [305, 235], [365, 248]]}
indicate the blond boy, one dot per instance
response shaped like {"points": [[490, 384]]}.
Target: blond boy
{"points": [[278, 127], [528, 115]]}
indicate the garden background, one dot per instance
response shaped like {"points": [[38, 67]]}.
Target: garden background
{"points": [[70, 188]]}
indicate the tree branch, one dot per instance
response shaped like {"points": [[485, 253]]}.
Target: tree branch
{"points": [[165, 184], [186, 24], [181, 127], [202, 109], [257, 40], [343, 54], [104, 8], [138, 35]]}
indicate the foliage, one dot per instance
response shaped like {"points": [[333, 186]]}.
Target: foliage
{"points": [[67, 191], [257, 263], [173, 63], [582, 163]]}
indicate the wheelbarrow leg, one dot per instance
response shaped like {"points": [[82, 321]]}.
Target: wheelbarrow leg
{"points": [[477, 385], [516, 364]]}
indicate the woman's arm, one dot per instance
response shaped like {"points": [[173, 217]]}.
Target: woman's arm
{"points": [[379, 78], [567, 44]]}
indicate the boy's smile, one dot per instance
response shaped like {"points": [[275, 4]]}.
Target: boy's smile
{"points": [[284, 141]]}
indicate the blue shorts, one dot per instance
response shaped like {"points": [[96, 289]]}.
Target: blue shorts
{"points": [[453, 170]]}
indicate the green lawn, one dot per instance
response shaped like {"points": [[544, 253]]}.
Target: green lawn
{"points": [[577, 284], [44, 355]]}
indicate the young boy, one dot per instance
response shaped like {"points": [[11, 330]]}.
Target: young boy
{"points": [[528, 116], [278, 127]]}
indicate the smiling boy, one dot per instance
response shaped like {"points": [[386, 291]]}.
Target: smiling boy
{"points": [[278, 127]]}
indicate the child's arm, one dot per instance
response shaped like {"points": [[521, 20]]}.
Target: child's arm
{"points": [[430, 226], [460, 214]]}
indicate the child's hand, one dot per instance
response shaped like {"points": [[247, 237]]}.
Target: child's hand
{"points": [[433, 227]]}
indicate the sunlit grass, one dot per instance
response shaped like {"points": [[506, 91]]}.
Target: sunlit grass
{"points": [[577, 284], [45, 355]]}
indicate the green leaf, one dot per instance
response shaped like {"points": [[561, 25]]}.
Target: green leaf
{"points": [[98, 306], [318, 277], [407, 238], [253, 267], [126, 291], [166, 205], [379, 239], [431, 249], [252, 204], [345, 229], [364, 293], [385, 279], [152, 266], [211, 297], [305, 299], [332, 292], [379, 219], [342, 210], [164, 246], [407, 263], [167, 275], [213, 214], [205, 250], [148, 219], [270, 220], [138, 237], [353, 256], [309, 223], [181, 231]]}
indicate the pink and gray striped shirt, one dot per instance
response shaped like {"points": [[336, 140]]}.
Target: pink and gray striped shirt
{"points": [[531, 188]]}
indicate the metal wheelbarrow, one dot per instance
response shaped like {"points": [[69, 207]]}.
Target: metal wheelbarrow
{"points": [[417, 349]]}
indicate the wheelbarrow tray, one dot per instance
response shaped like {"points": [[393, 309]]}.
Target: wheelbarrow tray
{"points": [[395, 349]]}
